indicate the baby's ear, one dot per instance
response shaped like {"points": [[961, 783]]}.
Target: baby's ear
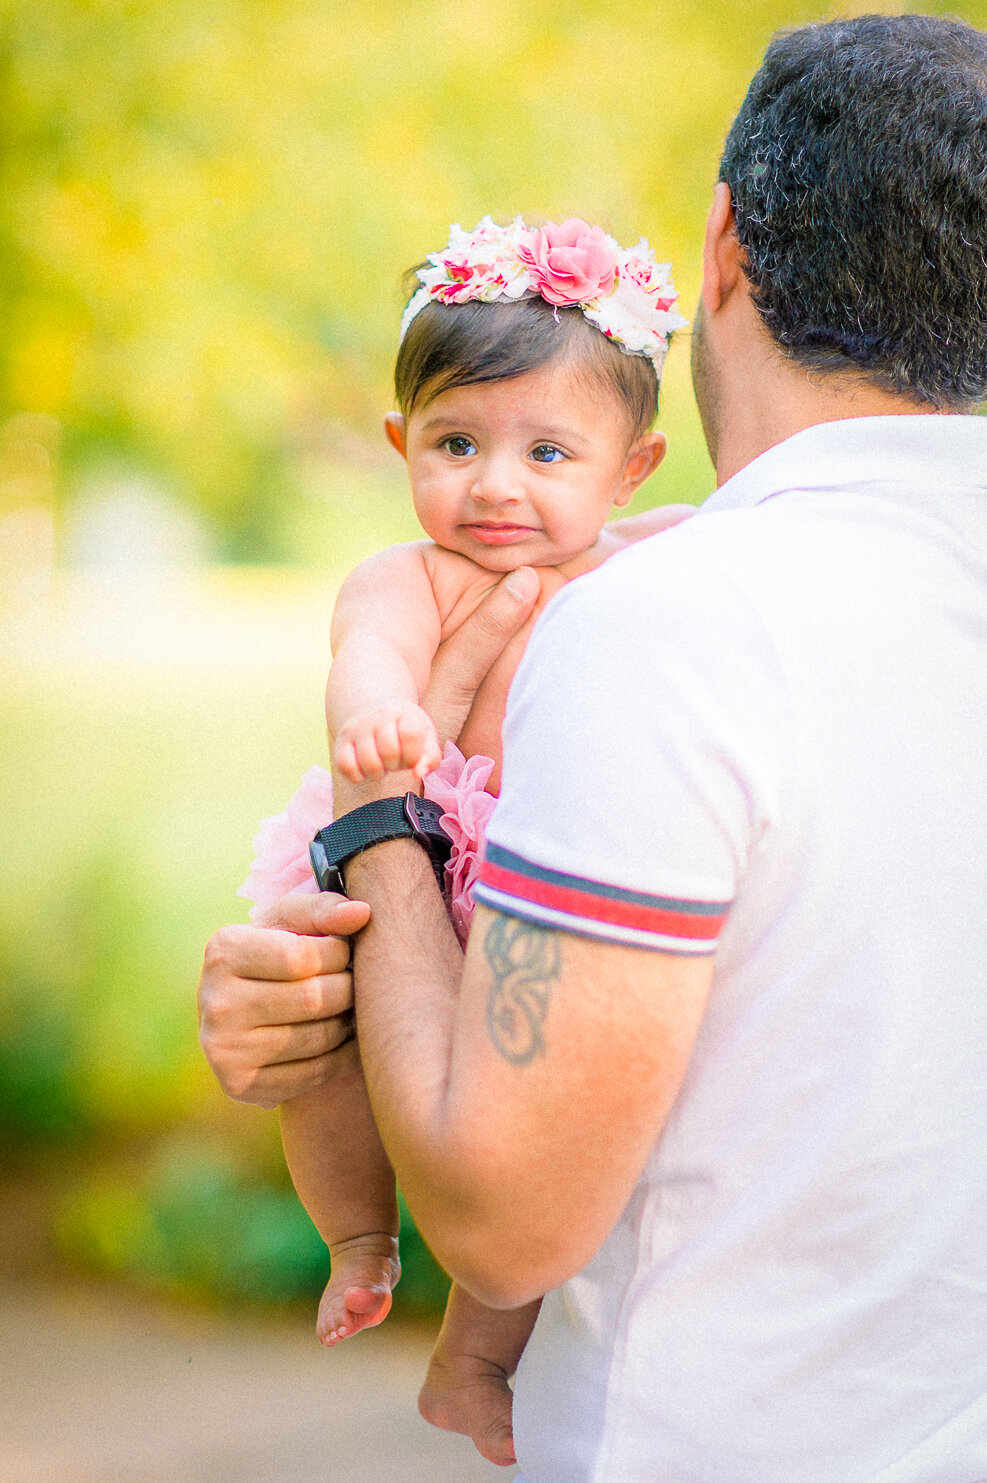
{"points": [[644, 457], [394, 432]]}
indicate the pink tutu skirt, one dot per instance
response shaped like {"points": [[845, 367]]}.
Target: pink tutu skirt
{"points": [[281, 861]]}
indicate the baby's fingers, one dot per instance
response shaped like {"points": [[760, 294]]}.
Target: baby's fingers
{"points": [[427, 762], [389, 746], [346, 761], [368, 758], [419, 744]]}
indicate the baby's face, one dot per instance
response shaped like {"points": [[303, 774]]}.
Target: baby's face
{"points": [[522, 472]]}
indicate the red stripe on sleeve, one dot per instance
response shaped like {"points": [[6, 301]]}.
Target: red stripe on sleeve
{"points": [[578, 903]]}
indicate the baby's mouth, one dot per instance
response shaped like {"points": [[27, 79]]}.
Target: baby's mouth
{"points": [[498, 532]]}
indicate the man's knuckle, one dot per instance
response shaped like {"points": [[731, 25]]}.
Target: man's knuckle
{"points": [[219, 1011], [489, 624], [297, 957], [219, 949], [238, 1082], [311, 998]]}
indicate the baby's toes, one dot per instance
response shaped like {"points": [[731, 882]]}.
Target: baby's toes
{"points": [[332, 1323], [361, 1308]]}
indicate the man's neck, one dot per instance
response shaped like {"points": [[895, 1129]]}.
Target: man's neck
{"points": [[777, 398], [762, 427]]}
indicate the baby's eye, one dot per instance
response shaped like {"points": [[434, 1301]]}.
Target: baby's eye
{"points": [[459, 447], [547, 453]]}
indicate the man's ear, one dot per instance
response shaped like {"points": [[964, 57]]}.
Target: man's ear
{"points": [[394, 432], [721, 250], [645, 456]]}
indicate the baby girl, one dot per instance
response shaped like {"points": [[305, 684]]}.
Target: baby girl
{"points": [[527, 381]]}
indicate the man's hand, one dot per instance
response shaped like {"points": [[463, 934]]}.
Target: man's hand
{"points": [[274, 1005], [462, 662]]}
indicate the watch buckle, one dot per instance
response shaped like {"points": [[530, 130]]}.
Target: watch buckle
{"points": [[413, 812]]}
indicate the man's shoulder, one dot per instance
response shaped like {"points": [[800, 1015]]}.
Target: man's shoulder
{"points": [[664, 603], [677, 564]]}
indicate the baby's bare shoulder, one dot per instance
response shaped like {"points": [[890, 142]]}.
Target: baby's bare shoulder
{"points": [[405, 560], [631, 528], [383, 590], [456, 585]]}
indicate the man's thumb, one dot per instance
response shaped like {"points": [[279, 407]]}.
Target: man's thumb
{"points": [[316, 915], [523, 584]]}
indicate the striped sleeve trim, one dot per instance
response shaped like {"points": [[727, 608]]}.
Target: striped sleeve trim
{"points": [[511, 884]]}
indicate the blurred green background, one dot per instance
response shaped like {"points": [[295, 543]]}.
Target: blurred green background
{"points": [[205, 212]]}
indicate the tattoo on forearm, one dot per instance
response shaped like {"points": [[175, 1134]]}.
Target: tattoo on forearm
{"points": [[524, 959]]}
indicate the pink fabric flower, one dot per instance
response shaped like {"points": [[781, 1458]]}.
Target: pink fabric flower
{"points": [[569, 263], [457, 785], [282, 863]]}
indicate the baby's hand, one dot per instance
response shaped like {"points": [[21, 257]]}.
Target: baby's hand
{"points": [[387, 740]]}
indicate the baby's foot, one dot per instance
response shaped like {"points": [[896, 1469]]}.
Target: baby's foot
{"points": [[466, 1393], [365, 1269]]}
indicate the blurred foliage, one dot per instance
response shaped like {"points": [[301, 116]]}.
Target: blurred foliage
{"points": [[205, 212], [206, 209], [195, 1223]]}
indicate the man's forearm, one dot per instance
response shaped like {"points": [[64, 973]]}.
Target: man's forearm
{"points": [[407, 970], [442, 1126]]}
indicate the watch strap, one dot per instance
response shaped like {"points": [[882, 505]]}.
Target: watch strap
{"points": [[407, 817]]}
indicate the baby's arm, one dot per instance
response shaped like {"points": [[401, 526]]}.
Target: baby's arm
{"points": [[385, 631], [345, 1181]]}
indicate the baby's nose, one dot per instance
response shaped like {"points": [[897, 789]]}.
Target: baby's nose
{"points": [[497, 483]]}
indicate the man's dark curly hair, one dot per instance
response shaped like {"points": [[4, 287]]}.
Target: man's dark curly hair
{"points": [[857, 166]]}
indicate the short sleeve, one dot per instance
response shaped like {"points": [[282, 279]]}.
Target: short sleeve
{"points": [[644, 747]]}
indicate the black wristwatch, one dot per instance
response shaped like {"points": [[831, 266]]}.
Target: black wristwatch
{"points": [[410, 817]]}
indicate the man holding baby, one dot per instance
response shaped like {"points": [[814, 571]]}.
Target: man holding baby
{"points": [[712, 1077]]}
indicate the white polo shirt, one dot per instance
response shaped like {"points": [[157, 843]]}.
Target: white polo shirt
{"points": [[764, 733]]}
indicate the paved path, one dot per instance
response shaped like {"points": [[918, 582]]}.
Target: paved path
{"points": [[95, 1389]]}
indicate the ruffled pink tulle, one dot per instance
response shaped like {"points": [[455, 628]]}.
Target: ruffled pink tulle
{"points": [[457, 785], [281, 864], [281, 860]]}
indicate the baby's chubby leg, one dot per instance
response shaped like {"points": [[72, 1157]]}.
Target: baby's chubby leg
{"points": [[345, 1181], [466, 1387]]}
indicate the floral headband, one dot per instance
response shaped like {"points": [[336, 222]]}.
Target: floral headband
{"points": [[624, 292]]}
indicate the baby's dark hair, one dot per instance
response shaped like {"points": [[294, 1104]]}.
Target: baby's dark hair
{"points": [[449, 345]]}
